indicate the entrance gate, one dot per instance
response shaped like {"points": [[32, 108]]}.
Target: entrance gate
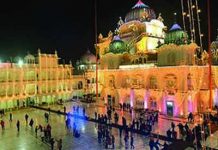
{"points": [[169, 108]]}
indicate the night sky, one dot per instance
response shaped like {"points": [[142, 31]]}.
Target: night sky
{"points": [[68, 25]]}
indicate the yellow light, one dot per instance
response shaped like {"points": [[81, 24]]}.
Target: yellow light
{"points": [[141, 45], [199, 10], [202, 35], [188, 15], [184, 13], [193, 6]]}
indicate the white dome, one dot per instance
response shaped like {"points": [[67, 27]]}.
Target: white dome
{"points": [[88, 58]]}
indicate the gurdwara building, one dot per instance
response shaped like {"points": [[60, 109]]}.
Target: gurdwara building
{"points": [[146, 65]]}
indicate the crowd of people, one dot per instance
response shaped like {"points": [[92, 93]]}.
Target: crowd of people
{"points": [[195, 134], [142, 123]]}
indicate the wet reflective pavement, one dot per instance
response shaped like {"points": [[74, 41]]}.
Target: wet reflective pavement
{"points": [[26, 139]]}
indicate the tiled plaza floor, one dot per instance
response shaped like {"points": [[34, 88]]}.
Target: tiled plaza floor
{"points": [[26, 139]]}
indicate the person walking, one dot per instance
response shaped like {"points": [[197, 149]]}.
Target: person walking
{"points": [[36, 130], [120, 130], [113, 141], [132, 142], [26, 118], [3, 124], [59, 144], [31, 123], [96, 115], [126, 141], [10, 117], [64, 110], [18, 125], [52, 143]]}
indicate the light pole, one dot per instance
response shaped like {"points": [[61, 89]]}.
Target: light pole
{"points": [[195, 124]]}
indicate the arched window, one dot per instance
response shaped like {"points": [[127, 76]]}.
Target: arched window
{"points": [[153, 82]]}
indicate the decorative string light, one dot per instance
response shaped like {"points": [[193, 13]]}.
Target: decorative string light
{"points": [[190, 21], [183, 15], [199, 24], [193, 21]]}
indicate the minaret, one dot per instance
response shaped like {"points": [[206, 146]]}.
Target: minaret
{"points": [[39, 51], [175, 17], [56, 53]]}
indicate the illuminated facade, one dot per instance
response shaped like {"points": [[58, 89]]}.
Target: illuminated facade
{"points": [[148, 67], [37, 80]]}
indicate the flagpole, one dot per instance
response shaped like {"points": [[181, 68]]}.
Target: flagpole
{"points": [[209, 51], [96, 52]]}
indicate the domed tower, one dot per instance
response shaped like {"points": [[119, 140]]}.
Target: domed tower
{"points": [[140, 12], [88, 58], [176, 35], [117, 46], [214, 49], [29, 59], [142, 31]]}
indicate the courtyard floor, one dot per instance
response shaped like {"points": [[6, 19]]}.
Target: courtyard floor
{"points": [[26, 139]]}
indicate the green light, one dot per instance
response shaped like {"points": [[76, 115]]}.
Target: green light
{"points": [[20, 63]]}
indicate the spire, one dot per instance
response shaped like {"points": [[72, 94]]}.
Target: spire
{"points": [[175, 25], [39, 51], [160, 18], [56, 53], [175, 17]]}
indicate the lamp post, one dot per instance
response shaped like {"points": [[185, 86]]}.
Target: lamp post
{"points": [[210, 55], [96, 54], [195, 135], [202, 131]]}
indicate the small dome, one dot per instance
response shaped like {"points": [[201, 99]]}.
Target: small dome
{"points": [[88, 58], [29, 58], [214, 49], [175, 27], [214, 44], [157, 23], [117, 46], [140, 12], [176, 35]]}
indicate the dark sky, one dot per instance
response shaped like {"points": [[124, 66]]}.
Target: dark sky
{"points": [[68, 25]]}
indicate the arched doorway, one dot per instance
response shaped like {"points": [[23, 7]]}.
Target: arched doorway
{"points": [[110, 96], [139, 102], [153, 103]]}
